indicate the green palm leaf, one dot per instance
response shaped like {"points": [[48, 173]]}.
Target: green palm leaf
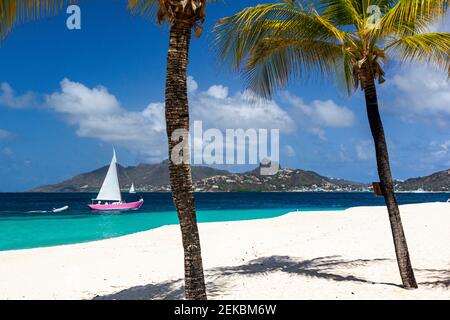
{"points": [[432, 48], [189, 11], [271, 43], [13, 12], [408, 17], [273, 61]]}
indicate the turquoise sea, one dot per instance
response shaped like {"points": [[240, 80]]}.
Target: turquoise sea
{"points": [[26, 223]]}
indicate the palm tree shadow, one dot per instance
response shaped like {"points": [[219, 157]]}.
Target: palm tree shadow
{"points": [[219, 277], [317, 268], [436, 278], [169, 290]]}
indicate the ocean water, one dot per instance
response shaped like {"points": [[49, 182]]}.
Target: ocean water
{"points": [[26, 223]]}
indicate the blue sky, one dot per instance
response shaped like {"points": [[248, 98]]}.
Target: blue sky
{"points": [[114, 70]]}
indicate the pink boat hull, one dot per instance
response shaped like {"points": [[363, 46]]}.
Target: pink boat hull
{"points": [[117, 206]]}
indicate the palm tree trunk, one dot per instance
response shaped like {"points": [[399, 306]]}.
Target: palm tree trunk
{"points": [[387, 185], [177, 117]]}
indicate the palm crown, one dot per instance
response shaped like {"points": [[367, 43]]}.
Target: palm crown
{"points": [[192, 12], [270, 43], [188, 11]]}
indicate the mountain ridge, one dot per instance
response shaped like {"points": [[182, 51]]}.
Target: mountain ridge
{"points": [[141, 175], [155, 178]]}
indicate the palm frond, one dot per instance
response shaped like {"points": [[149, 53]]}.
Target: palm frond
{"points": [[192, 12], [237, 35], [433, 48], [272, 43], [342, 12], [408, 17], [150, 8], [274, 61], [13, 12]]}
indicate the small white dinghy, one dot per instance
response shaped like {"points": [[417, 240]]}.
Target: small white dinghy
{"points": [[60, 209], [132, 190]]}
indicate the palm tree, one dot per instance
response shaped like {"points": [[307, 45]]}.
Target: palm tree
{"points": [[270, 43], [13, 12], [183, 16]]}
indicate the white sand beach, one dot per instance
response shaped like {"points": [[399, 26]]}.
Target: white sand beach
{"points": [[302, 255]]}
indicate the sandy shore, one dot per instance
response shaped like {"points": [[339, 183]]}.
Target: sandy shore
{"points": [[305, 255]]}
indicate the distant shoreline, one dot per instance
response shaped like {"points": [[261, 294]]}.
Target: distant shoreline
{"points": [[155, 178]]}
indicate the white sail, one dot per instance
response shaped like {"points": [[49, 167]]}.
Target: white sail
{"points": [[110, 189], [132, 190]]}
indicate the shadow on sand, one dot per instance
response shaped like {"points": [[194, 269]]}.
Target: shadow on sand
{"points": [[318, 268], [323, 267], [438, 278], [170, 290]]}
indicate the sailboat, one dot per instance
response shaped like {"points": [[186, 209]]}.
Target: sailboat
{"points": [[132, 190], [110, 197]]}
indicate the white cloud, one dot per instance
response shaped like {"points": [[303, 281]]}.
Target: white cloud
{"points": [[9, 98], [218, 91], [319, 114], [191, 84], [219, 110], [423, 94], [99, 115], [78, 100], [441, 25], [331, 115], [364, 150], [422, 91], [4, 134]]}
